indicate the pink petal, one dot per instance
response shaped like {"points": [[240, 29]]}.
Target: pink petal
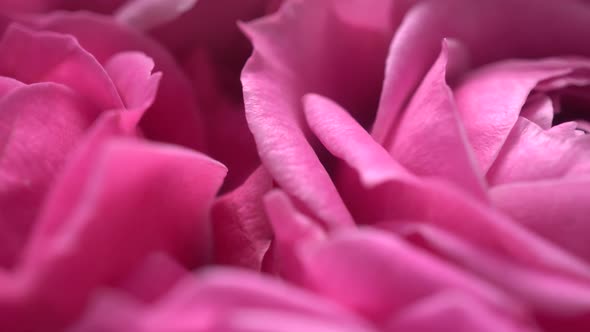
{"points": [[453, 311], [531, 154], [490, 100], [539, 109], [558, 210], [241, 231], [109, 226], [173, 117], [64, 61], [292, 230], [379, 275], [557, 302], [430, 139], [275, 78], [40, 124], [492, 30], [147, 14]]}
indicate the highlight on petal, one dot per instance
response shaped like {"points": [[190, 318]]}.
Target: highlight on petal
{"points": [[378, 275], [241, 232], [104, 217], [276, 77], [148, 14]]}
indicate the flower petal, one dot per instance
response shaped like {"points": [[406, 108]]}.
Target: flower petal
{"points": [[39, 125], [241, 231]]}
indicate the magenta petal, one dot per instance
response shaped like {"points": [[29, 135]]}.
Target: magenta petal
{"points": [[452, 311], [564, 213], [115, 216], [39, 122], [64, 61], [241, 231], [379, 275], [430, 139], [513, 28], [173, 117]]}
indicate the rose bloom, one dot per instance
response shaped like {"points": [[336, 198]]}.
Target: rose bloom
{"points": [[392, 166]]}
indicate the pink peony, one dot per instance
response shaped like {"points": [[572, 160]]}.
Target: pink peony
{"points": [[392, 165]]}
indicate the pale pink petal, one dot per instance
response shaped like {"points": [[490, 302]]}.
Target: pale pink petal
{"points": [[531, 153], [147, 14], [173, 117], [453, 311], [296, 51], [39, 125], [491, 99], [126, 199], [555, 209], [64, 61], [241, 231], [378, 275], [556, 302], [491, 29], [430, 139]]}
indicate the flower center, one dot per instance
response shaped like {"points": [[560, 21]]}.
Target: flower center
{"points": [[574, 105]]}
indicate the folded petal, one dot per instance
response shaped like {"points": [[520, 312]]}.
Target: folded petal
{"points": [[64, 61], [173, 117], [241, 231]]}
